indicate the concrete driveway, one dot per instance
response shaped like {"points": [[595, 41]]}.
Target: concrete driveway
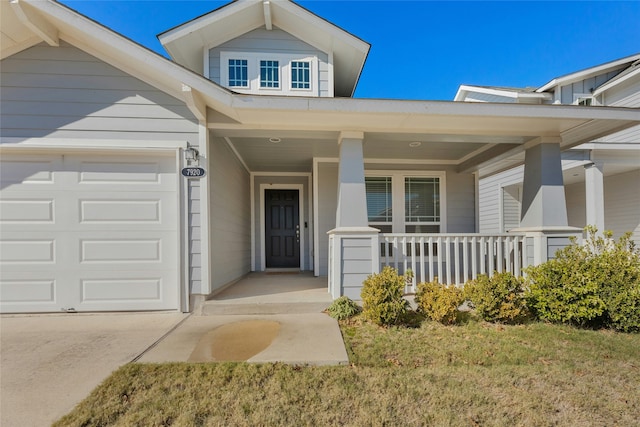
{"points": [[49, 363]]}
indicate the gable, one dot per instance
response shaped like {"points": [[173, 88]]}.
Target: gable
{"points": [[270, 42], [63, 92]]}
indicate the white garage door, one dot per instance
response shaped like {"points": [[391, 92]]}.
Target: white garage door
{"points": [[88, 233]]}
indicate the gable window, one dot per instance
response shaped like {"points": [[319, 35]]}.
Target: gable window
{"points": [[263, 73], [300, 75], [238, 73], [379, 202], [406, 202], [269, 74]]}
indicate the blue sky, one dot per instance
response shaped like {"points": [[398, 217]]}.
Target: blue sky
{"points": [[426, 49]]}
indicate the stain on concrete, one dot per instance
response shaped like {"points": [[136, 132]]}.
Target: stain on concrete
{"points": [[235, 342]]}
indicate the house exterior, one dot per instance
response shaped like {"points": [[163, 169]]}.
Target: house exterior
{"points": [[98, 133], [600, 177]]}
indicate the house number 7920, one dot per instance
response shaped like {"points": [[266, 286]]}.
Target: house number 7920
{"points": [[193, 172]]}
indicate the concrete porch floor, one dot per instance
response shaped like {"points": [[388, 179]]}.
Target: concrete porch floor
{"points": [[271, 293]]}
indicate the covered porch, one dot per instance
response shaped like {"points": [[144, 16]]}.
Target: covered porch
{"points": [[329, 151]]}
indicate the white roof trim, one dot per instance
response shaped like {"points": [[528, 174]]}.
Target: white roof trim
{"points": [[616, 81], [583, 74], [463, 90]]}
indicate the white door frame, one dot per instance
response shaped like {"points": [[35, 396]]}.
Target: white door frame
{"points": [[300, 188]]}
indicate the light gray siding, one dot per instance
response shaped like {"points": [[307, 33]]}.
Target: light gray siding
{"points": [[327, 206], [274, 41], [461, 204], [586, 86], [575, 197], [230, 215], [626, 94], [63, 92], [511, 196], [622, 204], [489, 197], [305, 219]]}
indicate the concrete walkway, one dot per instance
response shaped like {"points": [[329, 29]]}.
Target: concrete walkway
{"points": [[310, 339], [49, 363]]}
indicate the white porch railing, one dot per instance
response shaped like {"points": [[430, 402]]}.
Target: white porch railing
{"points": [[452, 258]]}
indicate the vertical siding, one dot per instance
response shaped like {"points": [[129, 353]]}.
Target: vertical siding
{"points": [[308, 214], [63, 92], [327, 205], [274, 41], [230, 225], [622, 204]]}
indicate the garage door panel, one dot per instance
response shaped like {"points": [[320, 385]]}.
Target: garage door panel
{"points": [[29, 172], [33, 210], [88, 232], [20, 291], [135, 173], [127, 290], [127, 211]]}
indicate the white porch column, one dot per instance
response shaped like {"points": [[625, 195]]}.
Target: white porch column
{"points": [[353, 245], [544, 207], [352, 196], [594, 191]]}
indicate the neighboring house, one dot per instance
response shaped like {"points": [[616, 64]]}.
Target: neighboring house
{"points": [[95, 214], [601, 178]]}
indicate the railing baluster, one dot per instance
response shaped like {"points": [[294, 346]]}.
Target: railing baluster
{"points": [[465, 259], [474, 258], [431, 266], [499, 254], [422, 266], [456, 261]]}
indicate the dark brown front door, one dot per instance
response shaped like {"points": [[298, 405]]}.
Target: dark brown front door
{"points": [[282, 229]]}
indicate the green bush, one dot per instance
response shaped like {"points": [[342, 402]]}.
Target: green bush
{"points": [[382, 298], [499, 298], [439, 302], [595, 284], [343, 308]]}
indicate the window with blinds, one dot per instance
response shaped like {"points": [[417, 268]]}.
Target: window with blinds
{"points": [[379, 202], [422, 205]]}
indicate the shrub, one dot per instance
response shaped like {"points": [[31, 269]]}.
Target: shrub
{"points": [[439, 302], [382, 298], [499, 298], [594, 284], [343, 308]]}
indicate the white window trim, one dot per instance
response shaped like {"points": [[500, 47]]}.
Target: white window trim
{"points": [[397, 191], [579, 96], [253, 62]]}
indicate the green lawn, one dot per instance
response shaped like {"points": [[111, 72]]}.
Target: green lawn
{"points": [[476, 374]]}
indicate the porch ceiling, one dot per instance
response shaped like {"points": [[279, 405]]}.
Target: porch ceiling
{"points": [[296, 150], [466, 136]]}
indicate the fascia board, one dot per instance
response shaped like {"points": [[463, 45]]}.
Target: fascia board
{"points": [[205, 20], [586, 73], [608, 85], [131, 57]]}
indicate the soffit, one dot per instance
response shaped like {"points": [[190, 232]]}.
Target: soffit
{"points": [[467, 136]]}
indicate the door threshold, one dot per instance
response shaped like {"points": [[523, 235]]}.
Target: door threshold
{"points": [[282, 270]]}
